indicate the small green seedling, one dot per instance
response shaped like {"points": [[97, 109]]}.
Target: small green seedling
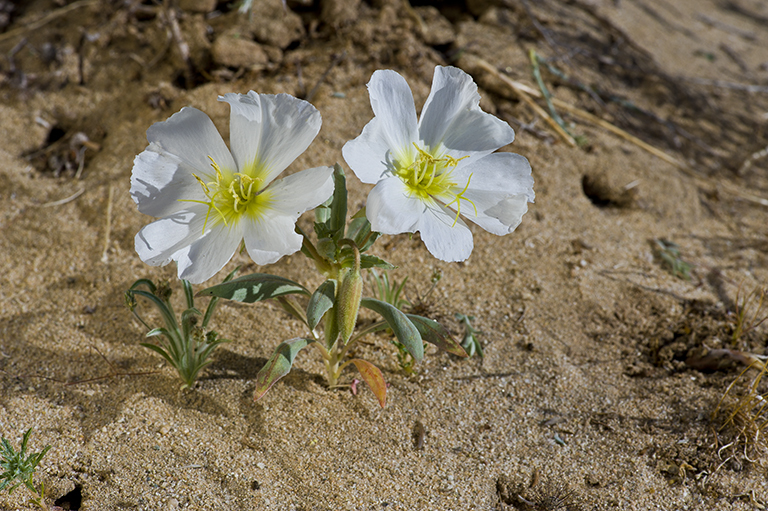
{"points": [[389, 291], [469, 341], [18, 468], [186, 346], [669, 253]]}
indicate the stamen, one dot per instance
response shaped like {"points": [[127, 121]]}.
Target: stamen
{"points": [[430, 176], [458, 198]]}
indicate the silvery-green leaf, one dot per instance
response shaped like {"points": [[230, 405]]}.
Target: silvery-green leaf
{"points": [[320, 302], [254, 288], [435, 333], [404, 329], [371, 261], [278, 365]]}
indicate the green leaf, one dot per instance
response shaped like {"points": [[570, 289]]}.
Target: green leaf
{"points": [[188, 293], [374, 378], [404, 330], [146, 282], [215, 300], [320, 302], [254, 288], [161, 351], [165, 311], [292, 308], [338, 218], [360, 231], [278, 365], [435, 333], [327, 248], [371, 261]]}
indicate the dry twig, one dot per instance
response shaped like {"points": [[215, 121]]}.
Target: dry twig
{"points": [[525, 93], [34, 25]]}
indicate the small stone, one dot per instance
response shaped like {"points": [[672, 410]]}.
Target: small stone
{"points": [[203, 6], [275, 26], [231, 49], [439, 30], [337, 13]]}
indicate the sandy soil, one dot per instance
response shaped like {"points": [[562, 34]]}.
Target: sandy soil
{"points": [[583, 400]]}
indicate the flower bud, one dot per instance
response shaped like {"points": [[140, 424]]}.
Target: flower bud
{"points": [[348, 299]]}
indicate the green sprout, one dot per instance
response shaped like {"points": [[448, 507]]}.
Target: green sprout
{"points": [[389, 291], [186, 346], [469, 341], [18, 468], [669, 253]]}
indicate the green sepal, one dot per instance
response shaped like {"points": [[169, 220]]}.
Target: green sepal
{"points": [[254, 288], [338, 220], [372, 261], [323, 211], [434, 333], [278, 365], [331, 216], [360, 231], [405, 331], [320, 302], [374, 378]]}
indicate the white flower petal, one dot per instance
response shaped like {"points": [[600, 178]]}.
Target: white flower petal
{"points": [[392, 104], [452, 117], [496, 215], [302, 191], [158, 242], [191, 136], [391, 209], [506, 173], [161, 182], [447, 238], [270, 131], [271, 237], [367, 154], [207, 255]]}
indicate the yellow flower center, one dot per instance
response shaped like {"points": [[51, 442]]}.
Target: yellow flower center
{"points": [[232, 195], [428, 175]]}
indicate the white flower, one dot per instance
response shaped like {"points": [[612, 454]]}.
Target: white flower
{"points": [[209, 199], [429, 172]]}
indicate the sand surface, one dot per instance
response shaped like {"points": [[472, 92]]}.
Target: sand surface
{"points": [[583, 399]]}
